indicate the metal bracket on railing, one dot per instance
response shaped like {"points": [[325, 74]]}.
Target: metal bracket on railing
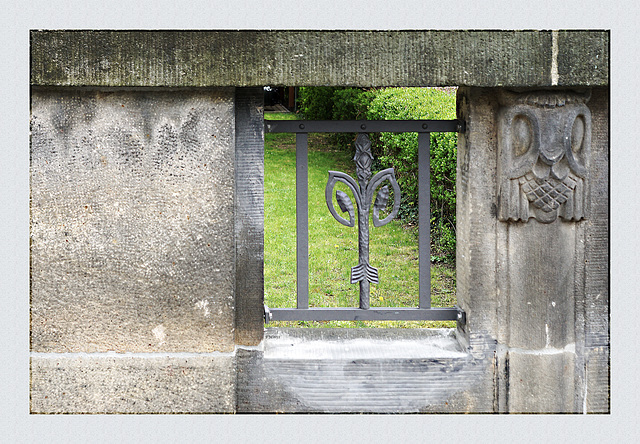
{"points": [[461, 317], [268, 316], [461, 127]]}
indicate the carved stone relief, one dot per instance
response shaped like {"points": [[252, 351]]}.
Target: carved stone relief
{"points": [[544, 142]]}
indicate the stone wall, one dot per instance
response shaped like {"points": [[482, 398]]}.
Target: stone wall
{"points": [[132, 242], [523, 270], [147, 225]]}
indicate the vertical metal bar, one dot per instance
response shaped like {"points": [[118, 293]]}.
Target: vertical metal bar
{"points": [[302, 221], [424, 235], [363, 251]]}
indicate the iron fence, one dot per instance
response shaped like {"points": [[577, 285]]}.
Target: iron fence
{"points": [[364, 189]]}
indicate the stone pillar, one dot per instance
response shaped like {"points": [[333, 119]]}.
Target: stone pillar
{"points": [[132, 250], [526, 184], [249, 220]]}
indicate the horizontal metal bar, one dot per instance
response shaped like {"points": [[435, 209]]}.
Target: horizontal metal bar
{"points": [[362, 126], [358, 314]]}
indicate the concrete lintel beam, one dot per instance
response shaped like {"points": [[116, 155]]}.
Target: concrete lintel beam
{"points": [[304, 58]]}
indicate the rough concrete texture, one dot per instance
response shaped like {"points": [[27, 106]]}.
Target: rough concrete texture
{"points": [[302, 58], [249, 216], [476, 221], [592, 287], [362, 370], [596, 396], [587, 66], [541, 263], [540, 382], [104, 383], [132, 244], [525, 285]]}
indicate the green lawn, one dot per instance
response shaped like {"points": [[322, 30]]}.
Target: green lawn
{"points": [[333, 247]]}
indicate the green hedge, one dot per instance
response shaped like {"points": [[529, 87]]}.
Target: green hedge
{"points": [[400, 150], [316, 103], [335, 103]]}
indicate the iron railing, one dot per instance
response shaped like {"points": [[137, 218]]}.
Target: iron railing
{"points": [[363, 190]]}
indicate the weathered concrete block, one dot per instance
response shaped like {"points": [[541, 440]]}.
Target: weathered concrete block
{"points": [[132, 231], [540, 381], [307, 58], [73, 383], [477, 260], [532, 241], [541, 292], [596, 396], [249, 216], [362, 370]]}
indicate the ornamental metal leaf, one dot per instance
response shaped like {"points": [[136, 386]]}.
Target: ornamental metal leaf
{"points": [[345, 204], [381, 200], [363, 159], [363, 193], [363, 272]]}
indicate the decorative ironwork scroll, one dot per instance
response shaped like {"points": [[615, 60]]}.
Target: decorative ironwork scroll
{"points": [[544, 140], [363, 192]]}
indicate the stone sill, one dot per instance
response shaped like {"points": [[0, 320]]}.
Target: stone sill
{"points": [[360, 344], [357, 370]]}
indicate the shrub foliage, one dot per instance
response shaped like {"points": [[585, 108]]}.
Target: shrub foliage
{"points": [[400, 151]]}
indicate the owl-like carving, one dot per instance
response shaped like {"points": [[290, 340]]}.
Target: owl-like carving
{"points": [[544, 141]]}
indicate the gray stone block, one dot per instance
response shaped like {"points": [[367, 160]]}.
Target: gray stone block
{"points": [[362, 370], [540, 381], [597, 274], [583, 67], [478, 263], [132, 230], [249, 216], [72, 383], [597, 387], [531, 278], [307, 58], [541, 276]]}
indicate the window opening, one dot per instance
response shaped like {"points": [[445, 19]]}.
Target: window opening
{"points": [[360, 205]]}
